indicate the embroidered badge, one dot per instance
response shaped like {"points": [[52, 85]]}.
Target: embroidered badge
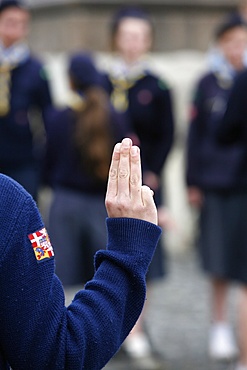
{"points": [[145, 97], [41, 245]]}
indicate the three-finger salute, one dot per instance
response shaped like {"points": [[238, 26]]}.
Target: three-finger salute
{"points": [[126, 196]]}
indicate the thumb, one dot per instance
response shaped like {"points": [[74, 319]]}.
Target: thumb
{"points": [[147, 194], [148, 203]]}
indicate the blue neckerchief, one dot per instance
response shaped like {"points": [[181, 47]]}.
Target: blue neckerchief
{"points": [[123, 76], [14, 55], [219, 65]]}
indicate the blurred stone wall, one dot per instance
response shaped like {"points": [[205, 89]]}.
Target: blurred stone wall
{"points": [[65, 25]]}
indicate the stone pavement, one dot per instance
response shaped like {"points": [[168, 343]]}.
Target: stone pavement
{"points": [[178, 319]]}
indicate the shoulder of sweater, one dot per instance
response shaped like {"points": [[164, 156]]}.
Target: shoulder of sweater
{"points": [[154, 82], [34, 65], [206, 78], [241, 80], [59, 116], [13, 199], [31, 62], [10, 189]]}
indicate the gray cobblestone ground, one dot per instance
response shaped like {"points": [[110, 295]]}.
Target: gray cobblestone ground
{"points": [[178, 319]]}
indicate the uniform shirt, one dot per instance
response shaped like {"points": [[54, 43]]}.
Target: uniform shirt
{"points": [[149, 111], [28, 92], [37, 330], [233, 126], [211, 165]]}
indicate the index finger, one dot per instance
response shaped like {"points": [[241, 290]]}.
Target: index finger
{"points": [[112, 186]]}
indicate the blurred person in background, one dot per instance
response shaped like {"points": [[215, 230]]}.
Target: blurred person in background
{"points": [[215, 183], [240, 14], [80, 139], [233, 131], [145, 100], [24, 93]]}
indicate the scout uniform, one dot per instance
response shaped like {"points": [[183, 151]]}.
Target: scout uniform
{"points": [[24, 94]]}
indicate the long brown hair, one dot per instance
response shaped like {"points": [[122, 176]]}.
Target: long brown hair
{"points": [[93, 135]]}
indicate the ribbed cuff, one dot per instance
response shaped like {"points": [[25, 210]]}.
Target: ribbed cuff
{"points": [[132, 234]]}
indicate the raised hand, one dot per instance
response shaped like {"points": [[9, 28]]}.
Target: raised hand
{"points": [[126, 196]]}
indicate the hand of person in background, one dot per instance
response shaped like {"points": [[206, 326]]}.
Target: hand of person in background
{"points": [[195, 197], [126, 196]]}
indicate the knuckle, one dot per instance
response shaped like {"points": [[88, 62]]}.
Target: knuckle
{"points": [[117, 203], [134, 179], [123, 173], [113, 174], [109, 202]]}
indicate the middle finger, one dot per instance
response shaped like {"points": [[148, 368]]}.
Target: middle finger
{"points": [[124, 168]]}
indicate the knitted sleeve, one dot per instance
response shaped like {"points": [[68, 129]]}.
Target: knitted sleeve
{"points": [[37, 330]]}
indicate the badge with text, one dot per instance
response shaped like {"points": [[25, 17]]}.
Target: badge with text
{"points": [[41, 245]]}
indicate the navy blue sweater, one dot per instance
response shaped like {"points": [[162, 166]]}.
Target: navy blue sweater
{"points": [[37, 330], [29, 91], [210, 164]]}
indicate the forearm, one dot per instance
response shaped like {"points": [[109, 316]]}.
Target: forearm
{"points": [[117, 292]]}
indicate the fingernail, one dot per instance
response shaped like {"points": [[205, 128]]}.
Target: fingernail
{"points": [[134, 150], [117, 147], [127, 142]]}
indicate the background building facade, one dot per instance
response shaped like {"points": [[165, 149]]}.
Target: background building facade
{"points": [[66, 25]]}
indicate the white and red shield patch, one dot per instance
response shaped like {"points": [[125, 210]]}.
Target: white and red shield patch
{"points": [[41, 245]]}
